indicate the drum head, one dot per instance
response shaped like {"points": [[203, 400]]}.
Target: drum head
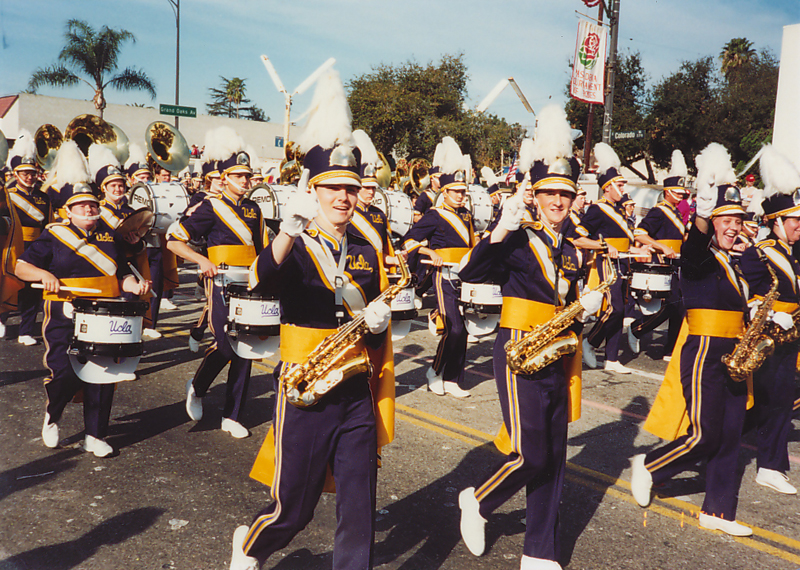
{"points": [[380, 201], [649, 307], [138, 223], [481, 324], [253, 347], [266, 200], [400, 329], [105, 369]]}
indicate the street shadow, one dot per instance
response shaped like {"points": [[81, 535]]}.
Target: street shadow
{"points": [[37, 472], [434, 535], [606, 449], [304, 559], [10, 377], [72, 554]]}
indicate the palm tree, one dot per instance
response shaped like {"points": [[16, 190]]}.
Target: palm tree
{"points": [[736, 54], [93, 54], [229, 100]]}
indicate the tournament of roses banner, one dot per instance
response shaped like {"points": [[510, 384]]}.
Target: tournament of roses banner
{"points": [[588, 71]]}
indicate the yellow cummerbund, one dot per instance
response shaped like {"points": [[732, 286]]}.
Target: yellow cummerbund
{"points": [[108, 286], [784, 307], [30, 234], [297, 343], [708, 322], [622, 244], [241, 255], [524, 315], [675, 244], [452, 254]]}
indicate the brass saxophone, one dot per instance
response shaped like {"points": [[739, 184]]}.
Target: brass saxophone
{"points": [[542, 346], [754, 344], [781, 336], [333, 360]]}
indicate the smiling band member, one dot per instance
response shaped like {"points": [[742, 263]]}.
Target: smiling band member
{"points": [[326, 274], [773, 383], [537, 269], [450, 234], [81, 252], [699, 407], [235, 233]]}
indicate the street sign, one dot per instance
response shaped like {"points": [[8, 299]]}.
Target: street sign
{"points": [[177, 110], [627, 135], [279, 142]]}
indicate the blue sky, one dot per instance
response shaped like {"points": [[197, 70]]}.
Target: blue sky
{"points": [[531, 40]]}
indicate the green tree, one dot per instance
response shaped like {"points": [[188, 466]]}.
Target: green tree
{"points": [[408, 109], [229, 100], [94, 54], [735, 55]]}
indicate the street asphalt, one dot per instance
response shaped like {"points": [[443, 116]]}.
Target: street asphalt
{"points": [[173, 494]]}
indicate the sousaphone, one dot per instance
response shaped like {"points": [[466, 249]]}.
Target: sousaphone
{"points": [[48, 140], [166, 146], [89, 129]]}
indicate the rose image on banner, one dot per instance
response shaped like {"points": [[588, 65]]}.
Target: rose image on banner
{"points": [[588, 71]]}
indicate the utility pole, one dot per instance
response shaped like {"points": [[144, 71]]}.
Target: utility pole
{"points": [[176, 8], [612, 66]]}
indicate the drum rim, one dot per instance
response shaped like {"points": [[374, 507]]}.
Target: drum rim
{"points": [[234, 328], [96, 306], [232, 290], [84, 348]]}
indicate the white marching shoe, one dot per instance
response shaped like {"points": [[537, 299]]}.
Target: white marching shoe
{"points": [[472, 523], [194, 404], [615, 366], [234, 428], [732, 528], [240, 560], [50, 435], [194, 345], [151, 334], [2, 330], [531, 563], [633, 342], [167, 305], [589, 359], [26, 340], [435, 382], [641, 480], [455, 390], [97, 446], [775, 480]]}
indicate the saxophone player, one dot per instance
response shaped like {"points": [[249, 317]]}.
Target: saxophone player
{"points": [[325, 273], [699, 407], [773, 383], [537, 268]]}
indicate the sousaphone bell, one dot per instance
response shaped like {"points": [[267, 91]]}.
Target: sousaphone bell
{"points": [[48, 140], [166, 146]]}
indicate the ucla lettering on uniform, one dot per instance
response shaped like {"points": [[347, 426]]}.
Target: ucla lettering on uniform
{"points": [[359, 264], [250, 214], [105, 237]]}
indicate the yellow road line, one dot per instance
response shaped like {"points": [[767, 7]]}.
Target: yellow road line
{"points": [[675, 509]]}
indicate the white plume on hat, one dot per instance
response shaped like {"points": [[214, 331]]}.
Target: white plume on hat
{"points": [[438, 155], [779, 174], [252, 153], [24, 146], [490, 177], [714, 167], [467, 167], [606, 158], [553, 138], [452, 159], [222, 143], [369, 154], [329, 122], [678, 164], [137, 155], [70, 166], [100, 156], [527, 155]]}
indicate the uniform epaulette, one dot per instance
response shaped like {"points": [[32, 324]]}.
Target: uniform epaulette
{"points": [[313, 232], [766, 243], [63, 223]]}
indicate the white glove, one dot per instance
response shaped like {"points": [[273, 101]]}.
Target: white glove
{"points": [[754, 305], [377, 316], [512, 214], [300, 210], [706, 200], [783, 320], [591, 302]]}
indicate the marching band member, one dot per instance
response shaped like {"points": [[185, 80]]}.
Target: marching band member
{"points": [[83, 252], [699, 407], [33, 211], [427, 197], [537, 267], [325, 273], [604, 219], [663, 229], [450, 235], [773, 383], [235, 233], [136, 167]]}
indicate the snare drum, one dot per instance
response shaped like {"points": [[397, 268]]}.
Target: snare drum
{"points": [[651, 280], [167, 200], [107, 340], [482, 304], [254, 322], [482, 210], [404, 310]]}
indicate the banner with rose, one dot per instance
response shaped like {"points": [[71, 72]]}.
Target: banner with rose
{"points": [[588, 71]]}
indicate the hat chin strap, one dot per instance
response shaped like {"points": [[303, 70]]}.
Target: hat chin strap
{"points": [[782, 233], [85, 218]]}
